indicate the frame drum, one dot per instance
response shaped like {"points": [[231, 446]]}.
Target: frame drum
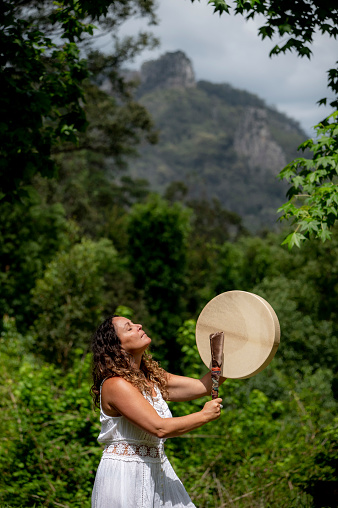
{"points": [[251, 333]]}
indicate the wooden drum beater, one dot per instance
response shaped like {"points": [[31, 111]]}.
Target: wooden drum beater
{"points": [[216, 348]]}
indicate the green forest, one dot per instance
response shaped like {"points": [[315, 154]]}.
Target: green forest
{"points": [[81, 239]]}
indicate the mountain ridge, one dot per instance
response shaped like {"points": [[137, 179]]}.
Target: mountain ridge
{"points": [[221, 142]]}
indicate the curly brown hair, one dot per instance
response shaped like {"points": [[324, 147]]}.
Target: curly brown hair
{"points": [[110, 359]]}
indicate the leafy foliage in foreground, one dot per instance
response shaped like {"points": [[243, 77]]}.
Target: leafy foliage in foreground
{"points": [[313, 203], [49, 452]]}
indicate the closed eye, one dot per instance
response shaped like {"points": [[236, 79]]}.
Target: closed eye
{"points": [[128, 326]]}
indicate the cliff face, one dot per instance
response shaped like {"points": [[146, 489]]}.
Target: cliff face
{"points": [[172, 70], [253, 139]]}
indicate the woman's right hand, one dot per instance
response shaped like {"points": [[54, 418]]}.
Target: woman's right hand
{"points": [[212, 409]]}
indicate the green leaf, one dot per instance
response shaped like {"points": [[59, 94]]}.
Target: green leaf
{"points": [[220, 6], [324, 234], [298, 181], [293, 239]]}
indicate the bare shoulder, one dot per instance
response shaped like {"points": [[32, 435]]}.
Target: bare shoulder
{"points": [[114, 384], [117, 390], [114, 394]]}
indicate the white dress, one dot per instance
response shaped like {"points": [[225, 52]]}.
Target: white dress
{"points": [[134, 471]]}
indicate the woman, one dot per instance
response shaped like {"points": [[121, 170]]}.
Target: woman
{"points": [[130, 388]]}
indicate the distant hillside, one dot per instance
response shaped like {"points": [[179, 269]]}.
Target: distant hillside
{"points": [[220, 141]]}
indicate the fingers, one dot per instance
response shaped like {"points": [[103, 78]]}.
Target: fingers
{"points": [[219, 405], [213, 408], [218, 402]]}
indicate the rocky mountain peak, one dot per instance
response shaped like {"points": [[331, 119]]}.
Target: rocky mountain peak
{"points": [[171, 70]]}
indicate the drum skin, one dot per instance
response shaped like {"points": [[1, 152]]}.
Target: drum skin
{"points": [[251, 333]]}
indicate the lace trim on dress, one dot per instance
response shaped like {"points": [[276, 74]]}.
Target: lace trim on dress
{"points": [[124, 450]]}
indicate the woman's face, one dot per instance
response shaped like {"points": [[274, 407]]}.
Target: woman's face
{"points": [[133, 339]]}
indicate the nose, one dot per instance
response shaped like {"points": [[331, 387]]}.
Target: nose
{"points": [[139, 326]]}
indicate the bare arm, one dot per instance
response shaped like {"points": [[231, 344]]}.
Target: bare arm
{"points": [[183, 388], [119, 395]]}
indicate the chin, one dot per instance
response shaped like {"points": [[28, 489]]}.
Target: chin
{"points": [[148, 340]]}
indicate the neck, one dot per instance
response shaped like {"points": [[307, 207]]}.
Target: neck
{"points": [[137, 361]]}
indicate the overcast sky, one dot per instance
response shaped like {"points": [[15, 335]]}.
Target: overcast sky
{"points": [[227, 49]]}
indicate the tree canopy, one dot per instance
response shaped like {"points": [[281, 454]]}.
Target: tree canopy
{"points": [[42, 105]]}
